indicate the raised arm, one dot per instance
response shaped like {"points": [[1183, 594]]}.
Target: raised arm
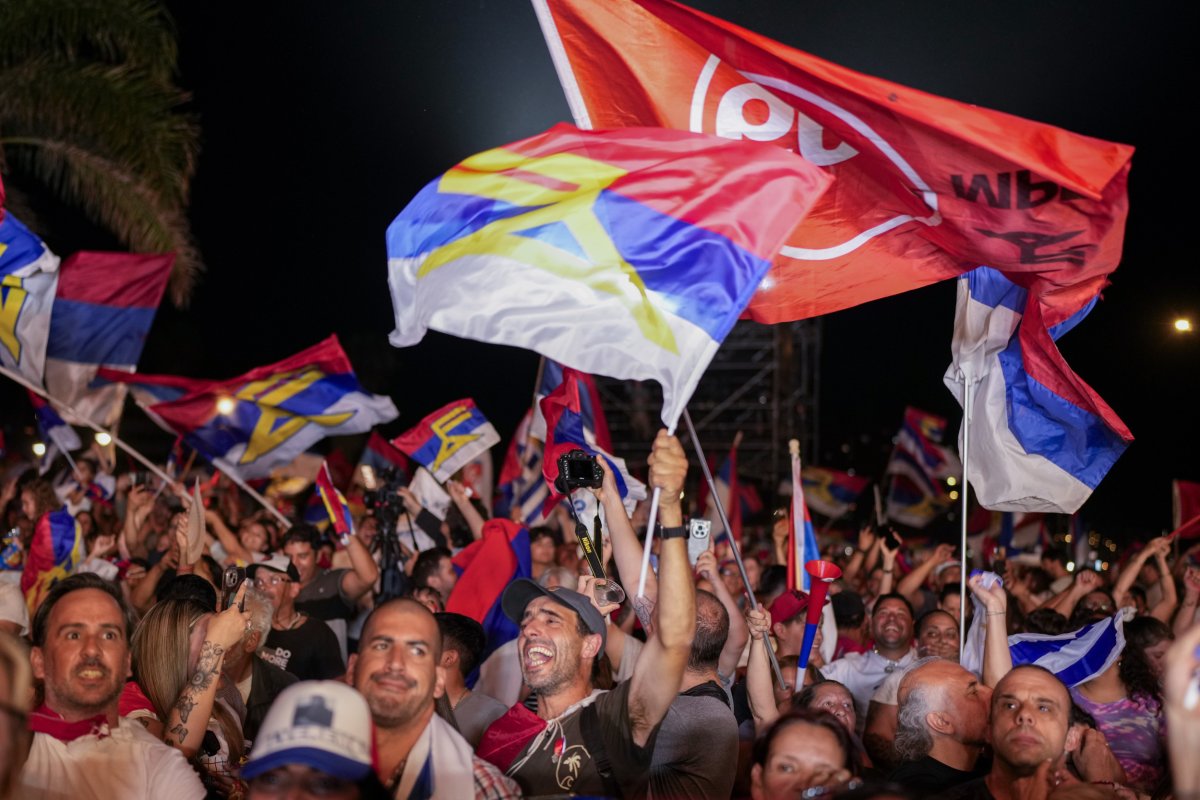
{"points": [[659, 670], [1164, 609], [1129, 575], [228, 539], [475, 520], [910, 585], [363, 570], [626, 549], [759, 689], [1064, 602], [997, 658], [866, 542], [188, 720], [1191, 597]]}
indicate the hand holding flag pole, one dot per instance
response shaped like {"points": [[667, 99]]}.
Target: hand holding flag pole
{"points": [[737, 554], [822, 574]]}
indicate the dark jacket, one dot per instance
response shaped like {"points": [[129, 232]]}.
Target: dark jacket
{"points": [[266, 682]]}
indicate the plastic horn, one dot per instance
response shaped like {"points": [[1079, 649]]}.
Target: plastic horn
{"points": [[822, 573]]}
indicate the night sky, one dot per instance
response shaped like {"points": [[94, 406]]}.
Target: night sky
{"points": [[321, 120]]}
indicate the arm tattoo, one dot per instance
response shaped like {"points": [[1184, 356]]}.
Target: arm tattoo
{"points": [[644, 608], [202, 679], [180, 733]]}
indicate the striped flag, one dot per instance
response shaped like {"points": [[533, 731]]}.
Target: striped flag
{"points": [[1073, 657], [335, 503], [802, 539], [54, 552]]}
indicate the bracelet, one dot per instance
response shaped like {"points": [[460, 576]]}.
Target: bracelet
{"points": [[888, 571], [677, 532], [996, 613]]}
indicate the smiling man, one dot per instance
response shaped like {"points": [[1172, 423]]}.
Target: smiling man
{"points": [[863, 673], [397, 669], [585, 741], [80, 652]]}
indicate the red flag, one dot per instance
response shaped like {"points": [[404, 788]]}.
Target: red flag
{"points": [[926, 187], [1185, 496]]}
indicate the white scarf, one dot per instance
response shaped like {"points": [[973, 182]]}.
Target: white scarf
{"points": [[440, 765]]}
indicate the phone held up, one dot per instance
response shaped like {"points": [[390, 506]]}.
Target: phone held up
{"points": [[699, 535], [231, 580]]}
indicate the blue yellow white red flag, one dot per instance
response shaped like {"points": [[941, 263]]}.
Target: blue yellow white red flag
{"points": [[448, 439], [335, 503], [28, 276], [253, 423], [625, 253]]}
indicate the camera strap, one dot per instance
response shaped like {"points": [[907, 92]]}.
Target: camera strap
{"points": [[591, 547]]}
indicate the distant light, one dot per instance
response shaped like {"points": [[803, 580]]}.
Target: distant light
{"points": [[103, 439], [1070, 566], [1183, 325], [953, 495], [39, 449], [952, 481], [225, 406]]}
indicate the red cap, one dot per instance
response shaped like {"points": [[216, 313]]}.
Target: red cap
{"points": [[788, 606]]}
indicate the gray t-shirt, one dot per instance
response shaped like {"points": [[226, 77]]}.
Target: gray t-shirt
{"points": [[696, 752], [474, 713]]}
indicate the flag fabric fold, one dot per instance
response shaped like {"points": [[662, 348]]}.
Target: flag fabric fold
{"points": [[1074, 657], [595, 424], [623, 253], [103, 309], [1041, 438], [485, 567], [55, 549], [56, 434], [1185, 508], [521, 489], [831, 492], [28, 277], [918, 465], [926, 187], [274, 413], [336, 507], [449, 439], [563, 412]]}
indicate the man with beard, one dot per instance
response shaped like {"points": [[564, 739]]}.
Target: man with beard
{"points": [[397, 669], [583, 740], [862, 673], [942, 726], [80, 749]]}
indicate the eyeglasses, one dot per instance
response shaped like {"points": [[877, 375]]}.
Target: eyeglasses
{"points": [[273, 580]]}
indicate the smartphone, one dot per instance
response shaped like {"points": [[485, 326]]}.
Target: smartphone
{"points": [[231, 580], [699, 534]]}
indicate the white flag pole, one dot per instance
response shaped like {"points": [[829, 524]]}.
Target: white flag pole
{"points": [[963, 591], [641, 592]]}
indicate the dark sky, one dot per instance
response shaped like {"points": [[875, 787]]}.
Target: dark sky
{"points": [[321, 120]]}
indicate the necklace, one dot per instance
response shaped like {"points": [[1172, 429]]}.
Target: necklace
{"points": [[295, 620], [892, 666], [461, 697]]}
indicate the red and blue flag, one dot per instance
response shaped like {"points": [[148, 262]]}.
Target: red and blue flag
{"points": [[485, 568], [595, 425], [521, 490], [103, 310], [56, 434], [832, 492], [336, 507]]}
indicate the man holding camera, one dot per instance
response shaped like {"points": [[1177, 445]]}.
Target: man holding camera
{"points": [[594, 742]]}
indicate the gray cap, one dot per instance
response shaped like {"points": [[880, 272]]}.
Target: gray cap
{"points": [[522, 591]]}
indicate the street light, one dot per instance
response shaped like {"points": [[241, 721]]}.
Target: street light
{"points": [[1183, 325], [103, 439], [225, 406], [39, 449]]}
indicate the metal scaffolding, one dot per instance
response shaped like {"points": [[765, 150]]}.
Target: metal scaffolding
{"points": [[764, 382]]}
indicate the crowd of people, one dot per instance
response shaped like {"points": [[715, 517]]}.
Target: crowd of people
{"points": [[216, 652]]}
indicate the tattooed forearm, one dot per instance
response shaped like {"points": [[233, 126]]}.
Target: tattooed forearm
{"points": [[644, 608], [196, 698]]}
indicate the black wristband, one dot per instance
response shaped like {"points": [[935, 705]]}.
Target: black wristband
{"points": [[678, 532]]}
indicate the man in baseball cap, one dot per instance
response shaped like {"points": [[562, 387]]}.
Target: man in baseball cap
{"points": [[302, 645], [316, 739]]}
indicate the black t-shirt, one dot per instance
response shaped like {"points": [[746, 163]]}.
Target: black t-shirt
{"points": [[928, 776], [560, 761], [971, 790], [322, 597], [310, 652]]}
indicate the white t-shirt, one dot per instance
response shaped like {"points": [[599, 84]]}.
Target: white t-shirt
{"points": [[130, 763]]}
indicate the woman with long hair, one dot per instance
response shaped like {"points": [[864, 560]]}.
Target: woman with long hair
{"points": [[802, 749], [178, 650], [1126, 702]]}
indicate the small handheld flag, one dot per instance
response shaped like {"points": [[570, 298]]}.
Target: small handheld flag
{"points": [[335, 504]]}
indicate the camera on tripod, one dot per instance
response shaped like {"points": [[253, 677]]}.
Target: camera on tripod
{"points": [[383, 500], [578, 470]]}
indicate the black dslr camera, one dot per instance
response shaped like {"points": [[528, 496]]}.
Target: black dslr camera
{"points": [[577, 470], [383, 500]]}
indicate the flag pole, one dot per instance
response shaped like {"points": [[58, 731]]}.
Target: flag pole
{"points": [[262, 501], [733, 545], [141, 459], [962, 570]]}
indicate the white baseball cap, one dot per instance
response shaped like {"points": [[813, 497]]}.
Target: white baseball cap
{"points": [[325, 725]]}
